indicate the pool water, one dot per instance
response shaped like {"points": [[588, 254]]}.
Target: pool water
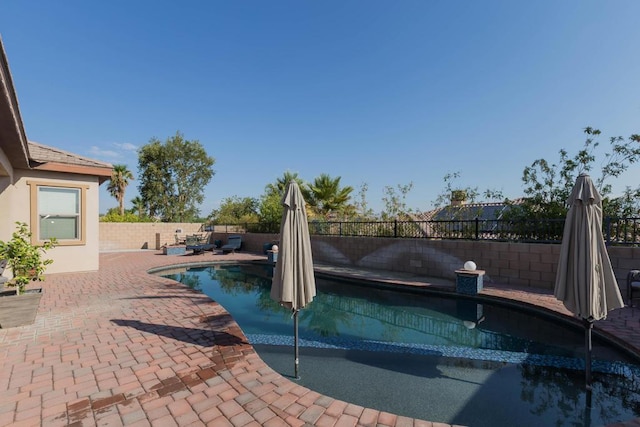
{"points": [[440, 358]]}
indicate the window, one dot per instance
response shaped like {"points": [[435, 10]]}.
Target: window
{"points": [[58, 211]]}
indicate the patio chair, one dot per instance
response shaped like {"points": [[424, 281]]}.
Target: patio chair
{"points": [[197, 244], [633, 284], [234, 244]]}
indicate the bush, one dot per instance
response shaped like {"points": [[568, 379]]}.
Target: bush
{"points": [[127, 217], [24, 258]]}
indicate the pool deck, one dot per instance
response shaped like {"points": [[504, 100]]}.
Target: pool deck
{"points": [[120, 347]]}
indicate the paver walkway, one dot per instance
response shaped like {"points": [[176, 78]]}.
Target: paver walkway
{"points": [[120, 347]]}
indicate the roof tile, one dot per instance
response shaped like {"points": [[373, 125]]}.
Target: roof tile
{"points": [[44, 154]]}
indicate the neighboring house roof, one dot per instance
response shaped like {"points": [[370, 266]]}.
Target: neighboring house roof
{"points": [[457, 214], [44, 157], [468, 211], [471, 211]]}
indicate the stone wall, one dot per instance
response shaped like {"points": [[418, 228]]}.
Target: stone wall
{"points": [[521, 264]]}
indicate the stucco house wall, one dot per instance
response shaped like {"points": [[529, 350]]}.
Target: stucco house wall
{"points": [[23, 162], [66, 258], [15, 205]]}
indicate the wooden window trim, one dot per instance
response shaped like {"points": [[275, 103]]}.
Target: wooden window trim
{"points": [[35, 235]]}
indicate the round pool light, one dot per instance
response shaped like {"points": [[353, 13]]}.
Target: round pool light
{"points": [[469, 265]]}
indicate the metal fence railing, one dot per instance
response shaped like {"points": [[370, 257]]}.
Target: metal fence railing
{"points": [[616, 231]]}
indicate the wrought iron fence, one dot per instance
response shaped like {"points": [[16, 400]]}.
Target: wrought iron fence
{"points": [[616, 231]]}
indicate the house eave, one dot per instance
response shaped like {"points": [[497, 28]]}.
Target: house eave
{"points": [[12, 132], [103, 173]]}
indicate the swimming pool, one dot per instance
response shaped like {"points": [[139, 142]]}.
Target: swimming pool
{"points": [[440, 358]]}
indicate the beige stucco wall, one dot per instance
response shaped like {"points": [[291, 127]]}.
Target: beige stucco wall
{"points": [[142, 235], [5, 166], [65, 258], [6, 207], [521, 264]]}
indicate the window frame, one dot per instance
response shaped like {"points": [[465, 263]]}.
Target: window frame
{"points": [[35, 212]]}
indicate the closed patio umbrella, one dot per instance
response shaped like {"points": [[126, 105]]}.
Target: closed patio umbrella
{"points": [[294, 284], [585, 281]]}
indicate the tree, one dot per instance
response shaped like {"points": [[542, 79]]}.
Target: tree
{"points": [[362, 209], [113, 215], [270, 207], [625, 206], [280, 185], [454, 192], [173, 175], [548, 186], [325, 197], [120, 176], [395, 204], [139, 206], [234, 210]]}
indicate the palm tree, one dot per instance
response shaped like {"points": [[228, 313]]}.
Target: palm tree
{"points": [[138, 206], [281, 183], [325, 195], [118, 183]]}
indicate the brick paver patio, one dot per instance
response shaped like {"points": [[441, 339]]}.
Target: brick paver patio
{"points": [[121, 347]]}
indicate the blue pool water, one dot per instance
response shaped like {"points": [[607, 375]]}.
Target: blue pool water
{"points": [[441, 358]]}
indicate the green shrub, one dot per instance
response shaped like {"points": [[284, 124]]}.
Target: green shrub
{"points": [[25, 259], [127, 217]]}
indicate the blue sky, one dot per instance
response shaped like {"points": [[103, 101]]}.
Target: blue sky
{"points": [[385, 93]]}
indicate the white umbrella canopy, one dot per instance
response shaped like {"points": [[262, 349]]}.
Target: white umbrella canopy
{"points": [[585, 281], [294, 284]]}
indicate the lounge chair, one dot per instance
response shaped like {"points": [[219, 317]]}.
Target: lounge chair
{"points": [[234, 244], [198, 244], [633, 285]]}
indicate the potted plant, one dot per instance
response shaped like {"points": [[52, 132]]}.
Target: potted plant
{"points": [[25, 259]]}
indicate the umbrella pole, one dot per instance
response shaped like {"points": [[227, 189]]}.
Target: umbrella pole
{"points": [[587, 409], [588, 327], [295, 343]]}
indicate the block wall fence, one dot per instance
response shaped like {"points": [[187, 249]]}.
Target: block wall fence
{"points": [[519, 264], [115, 236]]}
